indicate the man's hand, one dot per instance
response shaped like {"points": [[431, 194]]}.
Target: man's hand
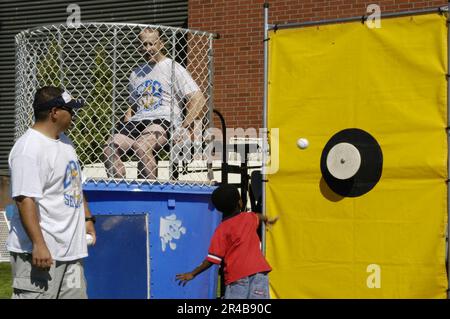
{"points": [[128, 114], [184, 278], [41, 257], [90, 229], [181, 134]]}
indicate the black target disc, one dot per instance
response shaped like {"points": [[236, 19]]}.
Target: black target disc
{"points": [[369, 158]]}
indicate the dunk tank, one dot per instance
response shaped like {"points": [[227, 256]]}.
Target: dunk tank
{"points": [[149, 227]]}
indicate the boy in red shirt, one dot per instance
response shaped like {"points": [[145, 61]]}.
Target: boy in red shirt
{"points": [[236, 243]]}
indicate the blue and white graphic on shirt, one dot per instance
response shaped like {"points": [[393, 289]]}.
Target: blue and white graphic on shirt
{"points": [[148, 95], [159, 90], [72, 185]]}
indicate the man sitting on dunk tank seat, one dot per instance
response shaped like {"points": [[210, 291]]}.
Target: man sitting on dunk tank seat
{"points": [[146, 125]]}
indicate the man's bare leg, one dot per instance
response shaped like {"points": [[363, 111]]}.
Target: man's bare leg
{"points": [[117, 145], [152, 139]]}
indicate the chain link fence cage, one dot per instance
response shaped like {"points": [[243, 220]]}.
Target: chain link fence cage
{"points": [[147, 91], [4, 231]]}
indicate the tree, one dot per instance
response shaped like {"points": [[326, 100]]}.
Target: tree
{"points": [[94, 121]]}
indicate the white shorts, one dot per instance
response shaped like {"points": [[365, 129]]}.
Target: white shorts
{"points": [[64, 280]]}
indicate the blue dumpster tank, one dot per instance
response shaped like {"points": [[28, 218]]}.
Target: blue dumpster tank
{"points": [[146, 234]]}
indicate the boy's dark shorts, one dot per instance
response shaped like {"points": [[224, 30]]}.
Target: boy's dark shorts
{"points": [[134, 129]]}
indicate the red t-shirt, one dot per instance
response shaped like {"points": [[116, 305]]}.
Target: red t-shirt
{"points": [[236, 242]]}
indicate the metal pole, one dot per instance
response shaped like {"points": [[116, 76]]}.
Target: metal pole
{"points": [[149, 259], [20, 95], [351, 19], [210, 81], [61, 72], [224, 177], [118, 24], [265, 129], [209, 167], [113, 114], [172, 106], [448, 146]]}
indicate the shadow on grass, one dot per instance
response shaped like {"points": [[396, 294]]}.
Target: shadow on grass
{"points": [[5, 281]]}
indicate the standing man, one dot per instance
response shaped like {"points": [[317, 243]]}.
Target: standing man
{"points": [[157, 90], [47, 239]]}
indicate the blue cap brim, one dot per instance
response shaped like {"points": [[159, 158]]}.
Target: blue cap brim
{"points": [[75, 104]]}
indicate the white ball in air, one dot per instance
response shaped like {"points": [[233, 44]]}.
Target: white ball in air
{"points": [[302, 143]]}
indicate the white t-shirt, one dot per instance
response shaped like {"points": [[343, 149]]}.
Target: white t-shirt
{"points": [[150, 90], [48, 170]]}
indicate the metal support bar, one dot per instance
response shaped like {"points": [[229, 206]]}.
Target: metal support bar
{"points": [[114, 97], [352, 19], [118, 24], [61, 61], [448, 157], [224, 178], [211, 78], [172, 167], [265, 135], [149, 263]]}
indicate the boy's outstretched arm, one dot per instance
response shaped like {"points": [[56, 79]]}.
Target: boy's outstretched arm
{"points": [[184, 278], [266, 220]]}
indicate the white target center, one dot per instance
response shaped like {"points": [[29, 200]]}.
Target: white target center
{"points": [[343, 161]]}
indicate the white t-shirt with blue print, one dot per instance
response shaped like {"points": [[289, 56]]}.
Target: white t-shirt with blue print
{"points": [[48, 170], [150, 89]]}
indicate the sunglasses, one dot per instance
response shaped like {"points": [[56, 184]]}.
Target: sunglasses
{"points": [[68, 109]]}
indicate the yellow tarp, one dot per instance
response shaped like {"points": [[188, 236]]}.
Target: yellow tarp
{"points": [[391, 83]]}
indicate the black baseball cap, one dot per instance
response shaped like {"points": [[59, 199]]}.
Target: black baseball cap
{"points": [[64, 100]]}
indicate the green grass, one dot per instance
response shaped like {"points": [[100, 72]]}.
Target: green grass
{"points": [[5, 281]]}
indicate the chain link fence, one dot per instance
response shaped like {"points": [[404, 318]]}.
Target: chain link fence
{"points": [[147, 92]]}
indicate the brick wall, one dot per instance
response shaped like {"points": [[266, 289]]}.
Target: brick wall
{"points": [[5, 198], [239, 52]]}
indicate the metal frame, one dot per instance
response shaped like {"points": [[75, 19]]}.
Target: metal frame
{"points": [[87, 24], [363, 18], [448, 147], [114, 81], [148, 257], [265, 129]]}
